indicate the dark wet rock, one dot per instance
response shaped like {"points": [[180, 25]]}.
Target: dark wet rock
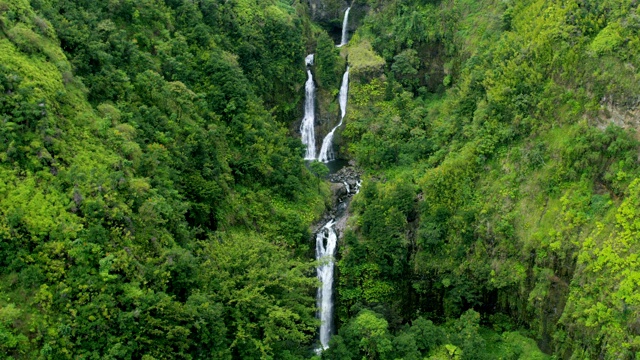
{"points": [[325, 11], [345, 184], [347, 174], [339, 191]]}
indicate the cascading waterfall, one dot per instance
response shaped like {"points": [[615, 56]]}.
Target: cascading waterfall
{"points": [[326, 247], [345, 28], [326, 241], [326, 151], [307, 129], [309, 59], [327, 237]]}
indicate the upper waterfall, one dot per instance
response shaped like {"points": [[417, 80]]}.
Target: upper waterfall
{"points": [[345, 28], [307, 128], [326, 151]]}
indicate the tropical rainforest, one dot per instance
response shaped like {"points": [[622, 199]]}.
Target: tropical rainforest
{"points": [[155, 204]]}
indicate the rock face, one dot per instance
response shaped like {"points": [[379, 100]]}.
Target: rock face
{"points": [[339, 191], [345, 183], [348, 174], [325, 11], [330, 13]]}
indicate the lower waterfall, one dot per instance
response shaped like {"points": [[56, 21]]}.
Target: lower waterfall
{"points": [[348, 182], [326, 241]]}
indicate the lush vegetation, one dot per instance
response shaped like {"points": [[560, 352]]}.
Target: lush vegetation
{"points": [[154, 203], [499, 140]]}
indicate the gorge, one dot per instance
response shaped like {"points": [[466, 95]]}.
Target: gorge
{"points": [[327, 238], [319, 179]]}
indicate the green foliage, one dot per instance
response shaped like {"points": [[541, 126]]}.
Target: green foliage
{"points": [[143, 159], [265, 294], [519, 173], [363, 61], [367, 336], [319, 169], [608, 40], [154, 206], [13, 342], [329, 66]]}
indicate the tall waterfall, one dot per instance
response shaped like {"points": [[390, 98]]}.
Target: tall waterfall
{"points": [[326, 151], [345, 28], [327, 237], [307, 129], [326, 241]]}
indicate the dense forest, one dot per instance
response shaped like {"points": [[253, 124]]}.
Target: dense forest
{"points": [[155, 204]]}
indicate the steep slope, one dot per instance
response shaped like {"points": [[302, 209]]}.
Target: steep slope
{"points": [[152, 204], [500, 145]]}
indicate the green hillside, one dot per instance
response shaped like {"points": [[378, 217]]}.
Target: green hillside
{"points": [[500, 144], [152, 203]]}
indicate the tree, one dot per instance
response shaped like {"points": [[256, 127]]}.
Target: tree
{"points": [[319, 169], [365, 336]]}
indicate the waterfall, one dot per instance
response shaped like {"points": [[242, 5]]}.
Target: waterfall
{"points": [[307, 128], [327, 236], [345, 28], [326, 241], [326, 151], [309, 59]]}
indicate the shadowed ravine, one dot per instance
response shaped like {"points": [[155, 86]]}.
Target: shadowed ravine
{"points": [[328, 235]]}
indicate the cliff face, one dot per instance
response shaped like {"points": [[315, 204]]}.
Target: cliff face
{"points": [[329, 14], [537, 227], [325, 11]]}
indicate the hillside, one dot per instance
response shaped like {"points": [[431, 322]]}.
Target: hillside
{"points": [[501, 148], [152, 204]]}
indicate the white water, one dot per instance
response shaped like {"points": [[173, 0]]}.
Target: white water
{"points": [[345, 28], [327, 237], [326, 241], [326, 151], [309, 59], [307, 128]]}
